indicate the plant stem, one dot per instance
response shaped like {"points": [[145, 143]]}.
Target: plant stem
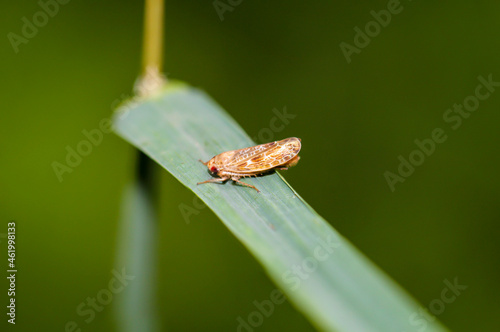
{"points": [[151, 78], [153, 35]]}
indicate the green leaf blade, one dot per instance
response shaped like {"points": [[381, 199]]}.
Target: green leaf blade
{"points": [[334, 285]]}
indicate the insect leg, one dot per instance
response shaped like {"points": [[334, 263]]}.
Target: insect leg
{"points": [[292, 162], [237, 179], [204, 163], [214, 180]]}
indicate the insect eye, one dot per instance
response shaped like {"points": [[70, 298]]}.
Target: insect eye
{"points": [[213, 169]]}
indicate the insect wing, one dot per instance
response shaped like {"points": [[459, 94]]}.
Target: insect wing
{"points": [[248, 153], [264, 157]]}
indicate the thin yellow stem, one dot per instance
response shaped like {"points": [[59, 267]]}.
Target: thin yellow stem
{"points": [[152, 78], [153, 35]]}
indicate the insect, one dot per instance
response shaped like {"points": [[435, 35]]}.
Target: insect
{"points": [[253, 161]]}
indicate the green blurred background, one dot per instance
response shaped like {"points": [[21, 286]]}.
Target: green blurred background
{"points": [[354, 119]]}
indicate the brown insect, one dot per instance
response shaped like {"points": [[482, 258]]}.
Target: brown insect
{"points": [[253, 161]]}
